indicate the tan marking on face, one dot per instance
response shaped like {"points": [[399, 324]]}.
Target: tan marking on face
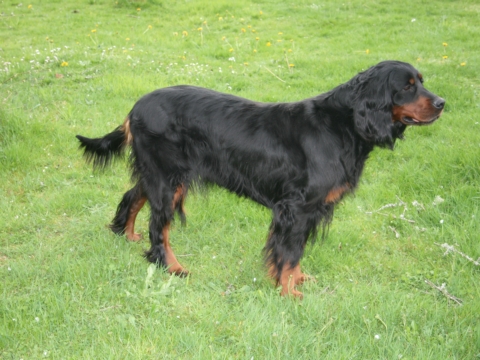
{"points": [[421, 110]]}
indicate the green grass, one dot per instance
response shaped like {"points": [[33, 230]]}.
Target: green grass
{"points": [[71, 289]]}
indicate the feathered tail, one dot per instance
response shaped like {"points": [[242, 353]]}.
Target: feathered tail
{"points": [[102, 150]]}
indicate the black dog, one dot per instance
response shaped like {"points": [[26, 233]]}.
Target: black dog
{"points": [[298, 158]]}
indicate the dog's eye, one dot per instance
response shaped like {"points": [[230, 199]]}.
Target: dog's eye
{"points": [[408, 87]]}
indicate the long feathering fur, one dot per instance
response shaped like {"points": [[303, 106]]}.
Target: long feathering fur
{"points": [[101, 151]]}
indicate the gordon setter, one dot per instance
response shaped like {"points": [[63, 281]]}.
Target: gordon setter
{"points": [[298, 159]]}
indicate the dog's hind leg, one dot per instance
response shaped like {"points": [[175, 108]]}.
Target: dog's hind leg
{"points": [[127, 210], [163, 201]]}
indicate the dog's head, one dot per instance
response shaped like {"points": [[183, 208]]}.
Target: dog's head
{"points": [[388, 97]]}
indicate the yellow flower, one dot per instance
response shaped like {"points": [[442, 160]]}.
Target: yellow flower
{"points": [[184, 33], [243, 30], [175, 33], [254, 31], [199, 29], [269, 43], [261, 12], [291, 65], [419, 59], [94, 30], [367, 51], [64, 63], [223, 38], [463, 64], [280, 33], [445, 57], [149, 26], [231, 50], [220, 18], [254, 50], [289, 50], [249, 26], [29, 6], [245, 63], [127, 39], [257, 38], [205, 22], [445, 44], [138, 9]]}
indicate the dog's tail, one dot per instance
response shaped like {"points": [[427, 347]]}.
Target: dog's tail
{"points": [[102, 150]]}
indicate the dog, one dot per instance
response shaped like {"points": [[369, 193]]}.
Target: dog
{"points": [[298, 159]]}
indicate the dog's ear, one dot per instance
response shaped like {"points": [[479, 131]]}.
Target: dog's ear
{"points": [[372, 108]]}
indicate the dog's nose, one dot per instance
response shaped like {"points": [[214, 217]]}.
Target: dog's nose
{"points": [[439, 103]]}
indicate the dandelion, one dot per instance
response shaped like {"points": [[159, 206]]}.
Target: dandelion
{"points": [[254, 31], [463, 64], [220, 18], [257, 38], [29, 6], [445, 44], [94, 30], [223, 38], [419, 59], [64, 63], [261, 12], [127, 39], [289, 50], [138, 9], [243, 30], [291, 65], [249, 26], [269, 43], [231, 49], [184, 33], [280, 33], [445, 57], [175, 33], [254, 50], [367, 51], [200, 29], [245, 63], [149, 26]]}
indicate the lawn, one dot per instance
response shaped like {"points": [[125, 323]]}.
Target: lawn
{"points": [[397, 277]]}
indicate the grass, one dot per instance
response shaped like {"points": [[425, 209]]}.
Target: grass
{"points": [[71, 289]]}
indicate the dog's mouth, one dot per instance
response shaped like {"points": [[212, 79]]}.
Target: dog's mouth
{"points": [[407, 120]]}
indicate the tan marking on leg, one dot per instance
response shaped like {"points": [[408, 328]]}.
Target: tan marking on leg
{"points": [[336, 193], [126, 130], [132, 215], [173, 266], [288, 281], [179, 196]]}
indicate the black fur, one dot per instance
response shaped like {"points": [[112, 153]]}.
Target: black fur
{"points": [[297, 159]]}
